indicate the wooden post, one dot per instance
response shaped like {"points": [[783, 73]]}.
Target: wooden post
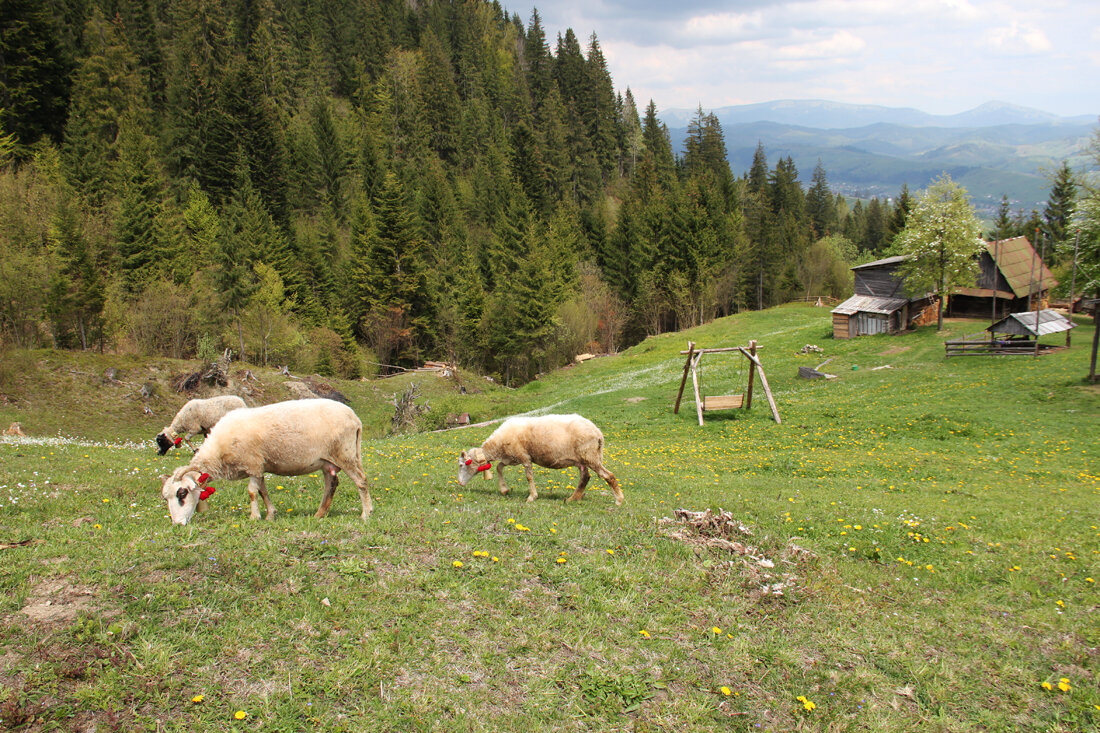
{"points": [[683, 381], [1039, 298], [1072, 285], [763, 383], [695, 382], [752, 374], [996, 272]]}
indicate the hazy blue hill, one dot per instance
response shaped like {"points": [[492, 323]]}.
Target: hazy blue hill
{"points": [[995, 149]]}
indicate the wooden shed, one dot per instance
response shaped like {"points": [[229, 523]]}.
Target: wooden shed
{"points": [[1032, 324], [1010, 270], [880, 304]]}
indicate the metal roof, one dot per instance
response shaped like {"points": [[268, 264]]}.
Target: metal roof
{"points": [[1050, 321], [870, 304], [879, 263], [1016, 259]]}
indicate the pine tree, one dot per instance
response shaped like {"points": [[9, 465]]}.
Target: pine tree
{"points": [[34, 74], [899, 213], [106, 88], [598, 108], [539, 61], [820, 204], [1059, 208], [143, 255], [1003, 226], [658, 145]]}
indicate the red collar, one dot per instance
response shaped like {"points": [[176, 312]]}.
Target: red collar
{"points": [[484, 467]]}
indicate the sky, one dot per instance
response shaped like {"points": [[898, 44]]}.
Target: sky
{"points": [[939, 56]]}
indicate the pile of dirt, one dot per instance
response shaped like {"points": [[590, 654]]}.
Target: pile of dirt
{"points": [[723, 533]]}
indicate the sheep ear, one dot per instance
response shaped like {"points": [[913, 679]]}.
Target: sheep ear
{"points": [[163, 477], [463, 457]]}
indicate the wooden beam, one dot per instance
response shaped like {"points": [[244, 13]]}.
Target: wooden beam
{"points": [[695, 382], [719, 351], [752, 374], [768, 394], [683, 381]]}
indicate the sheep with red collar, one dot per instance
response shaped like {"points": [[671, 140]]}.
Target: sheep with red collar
{"points": [[287, 439], [551, 441], [197, 416]]}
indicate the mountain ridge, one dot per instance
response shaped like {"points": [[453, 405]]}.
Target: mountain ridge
{"points": [[995, 149], [827, 114]]}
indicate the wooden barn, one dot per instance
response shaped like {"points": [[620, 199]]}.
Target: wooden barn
{"points": [[1010, 271], [880, 304]]}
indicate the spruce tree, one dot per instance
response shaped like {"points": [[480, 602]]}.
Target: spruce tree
{"points": [[34, 74], [1059, 208]]}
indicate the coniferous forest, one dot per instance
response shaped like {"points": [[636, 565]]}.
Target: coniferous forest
{"points": [[345, 184]]}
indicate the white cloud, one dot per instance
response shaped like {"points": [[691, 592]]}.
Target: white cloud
{"points": [[1017, 38], [839, 44], [722, 27]]}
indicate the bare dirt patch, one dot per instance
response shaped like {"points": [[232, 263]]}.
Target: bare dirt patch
{"points": [[55, 600], [894, 350], [769, 572]]}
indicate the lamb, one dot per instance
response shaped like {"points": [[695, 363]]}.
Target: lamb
{"points": [[551, 441], [286, 438], [197, 416]]}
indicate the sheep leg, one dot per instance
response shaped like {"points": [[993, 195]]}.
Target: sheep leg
{"points": [[500, 479], [531, 494], [328, 475], [612, 482], [256, 487], [360, 479], [579, 493]]}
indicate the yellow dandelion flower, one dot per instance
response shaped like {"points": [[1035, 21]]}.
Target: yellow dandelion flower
{"points": [[643, 633], [1060, 604], [716, 630], [1064, 685], [560, 560], [496, 559], [196, 699], [1047, 686], [610, 552], [456, 564], [726, 691], [240, 715]]}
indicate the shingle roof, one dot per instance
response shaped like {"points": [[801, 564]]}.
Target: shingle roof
{"points": [[870, 304], [1015, 258]]}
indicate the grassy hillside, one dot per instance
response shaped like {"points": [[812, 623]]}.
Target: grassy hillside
{"points": [[914, 546]]}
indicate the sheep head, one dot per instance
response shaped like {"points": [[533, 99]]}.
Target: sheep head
{"points": [[470, 464], [183, 490], [164, 442]]}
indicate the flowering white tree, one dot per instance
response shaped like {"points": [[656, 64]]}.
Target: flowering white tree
{"points": [[942, 238], [1086, 219]]}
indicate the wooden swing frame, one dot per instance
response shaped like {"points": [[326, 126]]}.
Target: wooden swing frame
{"points": [[704, 403]]}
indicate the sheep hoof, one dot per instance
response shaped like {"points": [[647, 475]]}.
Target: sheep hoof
{"points": [[531, 499]]}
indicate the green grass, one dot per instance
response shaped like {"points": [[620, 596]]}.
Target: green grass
{"points": [[946, 512]]}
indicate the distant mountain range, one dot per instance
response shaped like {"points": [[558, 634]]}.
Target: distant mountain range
{"points": [[867, 150]]}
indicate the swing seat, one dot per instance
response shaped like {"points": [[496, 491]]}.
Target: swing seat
{"points": [[723, 402]]}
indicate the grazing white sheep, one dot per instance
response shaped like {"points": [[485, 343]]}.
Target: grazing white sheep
{"points": [[197, 416], [286, 438], [551, 441]]}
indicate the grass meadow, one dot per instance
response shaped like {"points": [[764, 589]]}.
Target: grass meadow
{"points": [[915, 547]]}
